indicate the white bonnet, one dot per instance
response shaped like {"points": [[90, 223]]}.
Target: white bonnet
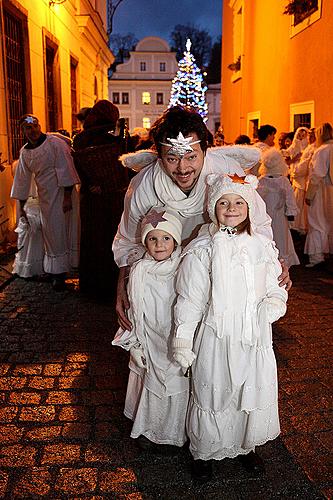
{"points": [[164, 219], [220, 184]]}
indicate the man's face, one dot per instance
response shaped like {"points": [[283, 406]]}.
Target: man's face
{"points": [[32, 131], [185, 170], [270, 139]]}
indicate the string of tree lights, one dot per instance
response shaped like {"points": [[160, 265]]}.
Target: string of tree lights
{"points": [[188, 88]]}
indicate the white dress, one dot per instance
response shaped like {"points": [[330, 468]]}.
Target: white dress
{"points": [[152, 187], [319, 239], [280, 201], [156, 398], [228, 297], [52, 166], [300, 179]]}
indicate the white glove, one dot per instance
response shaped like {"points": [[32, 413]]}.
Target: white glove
{"points": [[183, 356], [138, 356]]}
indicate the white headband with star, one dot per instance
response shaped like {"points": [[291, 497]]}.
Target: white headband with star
{"points": [[180, 146]]}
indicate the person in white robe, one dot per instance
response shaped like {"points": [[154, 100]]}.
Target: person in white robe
{"points": [[157, 391], [319, 198], [48, 159], [174, 176], [276, 191], [228, 297], [293, 155]]}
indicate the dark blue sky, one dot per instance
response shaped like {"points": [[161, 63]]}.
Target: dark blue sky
{"points": [[159, 17]]}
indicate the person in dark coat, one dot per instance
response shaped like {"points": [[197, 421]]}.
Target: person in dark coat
{"points": [[103, 184]]}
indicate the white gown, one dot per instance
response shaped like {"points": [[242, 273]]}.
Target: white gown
{"points": [[156, 398], [280, 202], [52, 166], [234, 401]]}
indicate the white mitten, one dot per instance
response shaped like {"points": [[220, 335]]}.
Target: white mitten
{"points": [[183, 356], [138, 356], [276, 308]]}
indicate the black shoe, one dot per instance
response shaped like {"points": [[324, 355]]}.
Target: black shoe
{"points": [[252, 463], [202, 470], [58, 284], [161, 449]]}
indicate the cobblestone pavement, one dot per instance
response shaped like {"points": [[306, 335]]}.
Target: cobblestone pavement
{"points": [[62, 385]]}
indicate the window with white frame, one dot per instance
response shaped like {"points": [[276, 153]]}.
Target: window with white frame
{"points": [[162, 66], [125, 98], [146, 122], [302, 20], [115, 98], [143, 66], [145, 97], [302, 114], [253, 124], [159, 98]]}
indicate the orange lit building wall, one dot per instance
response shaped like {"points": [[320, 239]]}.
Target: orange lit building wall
{"points": [[277, 70]]}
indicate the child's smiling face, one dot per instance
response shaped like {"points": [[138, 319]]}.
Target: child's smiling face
{"points": [[159, 244], [231, 209]]}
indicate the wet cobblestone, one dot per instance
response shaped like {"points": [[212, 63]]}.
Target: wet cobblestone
{"points": [[62, 387]]}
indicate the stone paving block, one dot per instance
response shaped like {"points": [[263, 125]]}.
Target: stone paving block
{"points": [[37, 413], [53, 369], [10, 433], [61, 453], [17, 455], [78, 382], [41, 382], [24, 398], [73, 369], [44, 433], [74, 413], [78, 357], [120, 480], [34, 369], [61, 397], [77, 481], [76, 430], [8, 413], [3, 483], [31, 483], [4, 367], [10, 383]]}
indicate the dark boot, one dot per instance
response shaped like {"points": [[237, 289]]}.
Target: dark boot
{"points": [[202, 470], [58, 282], [252, 463]]}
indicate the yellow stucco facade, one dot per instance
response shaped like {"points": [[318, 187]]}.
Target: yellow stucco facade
{"points": [[286, 69], [64, 57]]}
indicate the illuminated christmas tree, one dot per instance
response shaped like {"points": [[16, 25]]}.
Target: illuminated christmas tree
{"points": [[188, 88]]}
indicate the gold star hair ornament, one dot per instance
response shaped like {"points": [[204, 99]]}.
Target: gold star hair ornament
{"points": [[154, 218], [180, 146], [237, 179]]}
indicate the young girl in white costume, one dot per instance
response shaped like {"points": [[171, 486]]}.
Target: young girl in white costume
{"points": [[157, 391], [228, 299]]}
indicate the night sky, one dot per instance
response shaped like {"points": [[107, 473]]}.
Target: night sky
{"points": [[159, 17]]}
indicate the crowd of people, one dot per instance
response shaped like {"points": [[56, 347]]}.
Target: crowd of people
{"points": [[200, 232]]}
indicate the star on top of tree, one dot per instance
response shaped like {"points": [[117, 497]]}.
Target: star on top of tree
{"points": [[153, 218]]}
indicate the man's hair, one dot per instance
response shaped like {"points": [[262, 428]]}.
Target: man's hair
{"points": [[264, 131], [243, 139], [175, 120], [324, 133]]}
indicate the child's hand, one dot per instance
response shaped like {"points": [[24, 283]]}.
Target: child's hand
{"points": [[138, 356], [183, 356]]}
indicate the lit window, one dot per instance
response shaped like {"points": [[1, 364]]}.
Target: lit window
{"points": [[159, 98], [146, 122], [145, 97], [142, 66], [162, 66], [125, 98], [115, 98]]}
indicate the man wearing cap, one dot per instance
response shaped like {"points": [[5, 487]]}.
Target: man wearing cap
{"points": [[175, 178], [47, 159]]}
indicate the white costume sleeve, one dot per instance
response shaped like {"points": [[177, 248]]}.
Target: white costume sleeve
{"points": [[64, 165], [193, 288], [238, 158], [139, 198], [291, 205], [319, 170], [22, 180], [275, 301]]}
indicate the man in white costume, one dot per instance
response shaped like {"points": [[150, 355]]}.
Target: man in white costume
{"points": [[175, 178], [48, 160]]}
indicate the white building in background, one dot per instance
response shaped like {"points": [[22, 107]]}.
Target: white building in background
{"points": [[140, 87], [213, 99]]}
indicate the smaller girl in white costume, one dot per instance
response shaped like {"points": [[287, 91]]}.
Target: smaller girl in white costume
{"points": [[157, 391], [228, 297]]}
